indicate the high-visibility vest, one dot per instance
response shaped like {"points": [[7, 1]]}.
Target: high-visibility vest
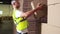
{"points": [[19, 25]]}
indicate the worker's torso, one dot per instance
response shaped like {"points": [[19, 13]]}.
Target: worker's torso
{"points": [[16, 17]]}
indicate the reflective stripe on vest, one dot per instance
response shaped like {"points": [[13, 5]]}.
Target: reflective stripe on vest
{"points": [[20, 25]]}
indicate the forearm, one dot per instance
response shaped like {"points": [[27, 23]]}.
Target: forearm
{"points": [[32, 11]]}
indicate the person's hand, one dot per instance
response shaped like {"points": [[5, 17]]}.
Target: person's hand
{"points": [[39, 6]]}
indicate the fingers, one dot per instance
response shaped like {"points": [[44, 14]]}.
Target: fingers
{"points": [[39, 4]]}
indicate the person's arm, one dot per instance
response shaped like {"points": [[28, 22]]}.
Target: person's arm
{"points": [[28, 13]]}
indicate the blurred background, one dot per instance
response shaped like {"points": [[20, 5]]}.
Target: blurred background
{"points": [[6, 22]]}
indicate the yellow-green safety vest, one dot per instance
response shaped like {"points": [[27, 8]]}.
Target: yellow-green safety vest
{"points": [[19, 25]]}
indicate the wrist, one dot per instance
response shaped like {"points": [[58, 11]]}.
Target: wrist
{"points": [[40, 7]]}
